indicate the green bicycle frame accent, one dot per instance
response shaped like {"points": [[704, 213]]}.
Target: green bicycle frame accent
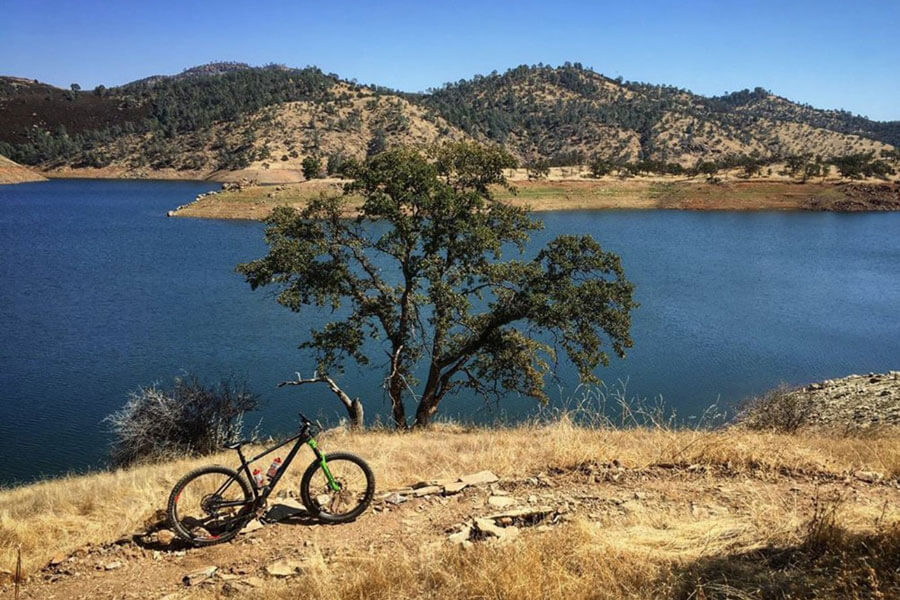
{"points": [[331, 482]]}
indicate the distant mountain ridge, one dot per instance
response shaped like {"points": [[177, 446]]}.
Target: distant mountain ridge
{"points": [[230, 115]]}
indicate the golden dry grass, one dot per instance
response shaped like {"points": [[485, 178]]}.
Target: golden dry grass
{"points": [[64, 514], [256, 202]]}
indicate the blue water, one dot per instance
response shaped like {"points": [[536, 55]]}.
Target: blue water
{"points": [[101, 293]]}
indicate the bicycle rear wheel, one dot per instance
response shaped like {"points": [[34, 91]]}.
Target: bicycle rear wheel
{"points": [[355, 485], [210, 505]]}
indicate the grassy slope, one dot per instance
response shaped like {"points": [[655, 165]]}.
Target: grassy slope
{"points": [[766, 482]]}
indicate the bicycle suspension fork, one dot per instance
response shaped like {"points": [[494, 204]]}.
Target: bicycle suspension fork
{"points": [[321, 458]]}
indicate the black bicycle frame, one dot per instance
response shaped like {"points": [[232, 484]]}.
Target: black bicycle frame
{"points": [[261, 493]]}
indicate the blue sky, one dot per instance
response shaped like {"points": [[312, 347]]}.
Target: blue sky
{"points": [[828, 53]]}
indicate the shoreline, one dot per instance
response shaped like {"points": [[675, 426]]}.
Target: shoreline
{"points": [[251, 194], [255, 202]]}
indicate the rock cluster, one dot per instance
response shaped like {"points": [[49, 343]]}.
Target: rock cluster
{"points": [[853, 402]]}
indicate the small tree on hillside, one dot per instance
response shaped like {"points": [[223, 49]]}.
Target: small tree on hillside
{"points": [[311, 166], [421, 271], [538, 169], [600, 166]]}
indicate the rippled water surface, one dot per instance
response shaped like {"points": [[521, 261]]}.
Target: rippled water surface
{"points": [[100, 293]]}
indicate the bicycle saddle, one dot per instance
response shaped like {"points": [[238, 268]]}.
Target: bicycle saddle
{"points": [[236, 445]]}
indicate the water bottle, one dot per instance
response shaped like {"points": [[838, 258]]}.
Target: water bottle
{"points": [[273, 468], [258, 478]]}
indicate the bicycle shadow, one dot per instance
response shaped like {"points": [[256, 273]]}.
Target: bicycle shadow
{"points": [[281, 514], [285, 514]]}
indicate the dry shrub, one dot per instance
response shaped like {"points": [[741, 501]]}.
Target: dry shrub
{"points": [[190, 419], [781, 409]]}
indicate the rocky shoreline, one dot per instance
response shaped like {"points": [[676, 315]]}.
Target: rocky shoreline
{"points": [[855, 403]]}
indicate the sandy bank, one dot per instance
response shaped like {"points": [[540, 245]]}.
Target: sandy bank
{"points": [[257, 201]]}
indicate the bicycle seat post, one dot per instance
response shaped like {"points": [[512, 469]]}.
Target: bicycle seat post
{"points": [[241, 456]]}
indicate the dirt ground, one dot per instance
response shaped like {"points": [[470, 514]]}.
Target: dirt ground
{"points": [[666, 509]]}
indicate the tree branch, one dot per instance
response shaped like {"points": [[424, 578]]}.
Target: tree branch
{"points": [[354, 406]]}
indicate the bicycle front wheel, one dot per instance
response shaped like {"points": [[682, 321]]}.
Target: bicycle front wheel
{"points": [[345, 494], [210, 505]]}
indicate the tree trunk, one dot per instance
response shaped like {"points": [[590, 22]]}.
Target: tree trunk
{"points": [[426, 409], [355, 413], [395, 391]]}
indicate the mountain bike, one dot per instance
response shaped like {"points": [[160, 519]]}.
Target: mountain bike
{"points": [[211, 505]]}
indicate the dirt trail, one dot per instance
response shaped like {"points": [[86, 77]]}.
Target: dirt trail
{"points": [[668, 496]]}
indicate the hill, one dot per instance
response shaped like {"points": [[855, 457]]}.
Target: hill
{"points": [[567, 113], [230, 116], [11, 172]]}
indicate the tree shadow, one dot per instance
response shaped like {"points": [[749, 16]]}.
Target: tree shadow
{"points": [[832, 564]]}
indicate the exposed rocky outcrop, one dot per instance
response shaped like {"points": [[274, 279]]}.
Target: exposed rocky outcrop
{"points": [[12, 172], [849, 404], [861, 197]]}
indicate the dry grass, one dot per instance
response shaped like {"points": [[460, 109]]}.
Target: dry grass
{"points": [[64, 514], [579, 561], [256, 202]]}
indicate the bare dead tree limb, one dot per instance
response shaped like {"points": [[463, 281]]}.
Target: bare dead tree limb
{"points": [[353, 406]]}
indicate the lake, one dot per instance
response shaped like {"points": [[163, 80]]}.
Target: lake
{"points": [[100, 293]]}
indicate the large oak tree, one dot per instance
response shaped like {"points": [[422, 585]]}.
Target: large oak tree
{"points": [[419, 265]]}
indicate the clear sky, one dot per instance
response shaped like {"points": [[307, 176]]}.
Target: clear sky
{"points": [[828, 53]]}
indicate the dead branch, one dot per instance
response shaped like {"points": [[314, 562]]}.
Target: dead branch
{"points": [[354, 406]]}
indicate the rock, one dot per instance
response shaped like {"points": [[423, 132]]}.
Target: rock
{"points": [[171, 213], [395, 499], [427, 491], [111, 566], [461, 536], [157, 519], [454, 488], [57, 559], [254, 582], [164, 537], [480, 478], [284, 568], [868, 476], [487, 528], [292, 503], [252, 526], [528, 513], [198, 576], [500, 501]]}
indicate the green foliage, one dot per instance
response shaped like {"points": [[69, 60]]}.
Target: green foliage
{"points": [[551, 114], [538, 169], [312, 167], [452, 307], [182, 104], [857, 166], [335, 164], [600, 166], [377, 143]]}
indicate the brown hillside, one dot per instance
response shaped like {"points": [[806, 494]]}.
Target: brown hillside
{"points": [[11, 172]]}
